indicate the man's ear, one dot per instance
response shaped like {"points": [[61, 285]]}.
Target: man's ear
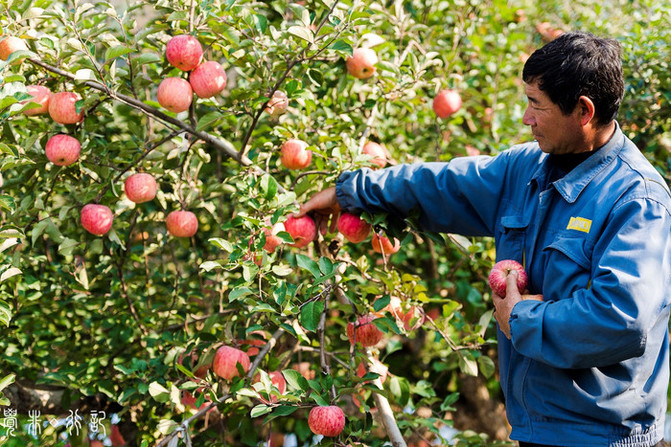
{"points": [[587, 110]]}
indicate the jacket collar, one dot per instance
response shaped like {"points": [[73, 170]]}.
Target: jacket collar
{"points": [[572, 184]]}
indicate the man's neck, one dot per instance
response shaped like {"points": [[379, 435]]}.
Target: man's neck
{"points": [[602, 135]]}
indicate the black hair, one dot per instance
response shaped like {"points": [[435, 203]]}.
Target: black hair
{"points": [[579, 64]]}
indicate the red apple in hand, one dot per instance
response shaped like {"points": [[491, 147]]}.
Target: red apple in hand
{"points": [[302, 229], [174, 94], [446, 103], [10, 44], [62, 150], [140, 187], [182, 223], [294, 154], [40, 95], [362, 63], [498, 274], [375, 150], [225, 362], [382, 244], [62, 108], [326, 421], [364, 331], [354, 228], [96, 219], [208, 79], [184, 52]]}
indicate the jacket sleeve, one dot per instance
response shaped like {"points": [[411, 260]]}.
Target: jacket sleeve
{"points": [[627, 300], [461, 196]]}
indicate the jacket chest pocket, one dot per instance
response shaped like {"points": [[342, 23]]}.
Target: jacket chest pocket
{"points": [[511, 238], [567, 262]]}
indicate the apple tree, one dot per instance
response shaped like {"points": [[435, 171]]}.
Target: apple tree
{"points": [[155, 287]]}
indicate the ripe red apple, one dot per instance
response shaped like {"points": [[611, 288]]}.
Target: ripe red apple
{"points": [[354, 228], [361, 64], [96, 219], [10, 44], [272, 240], [498, 274], [182, 223], [326, 421], [365, 331], [446, 103], [225, 361], [174, 94], [40, 95], [140, 187], [208, 79], [62, 150], [302, 229], [294, 154], [382, 244], [62, 108], [184, 52], [375, 150], [278, 104], [189, 400]]}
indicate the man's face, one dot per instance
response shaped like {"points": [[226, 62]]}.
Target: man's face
{"points": [[555, 132]]}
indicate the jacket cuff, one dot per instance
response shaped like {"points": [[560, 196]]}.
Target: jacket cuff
{"points": [[526, 326], [345, 191]]}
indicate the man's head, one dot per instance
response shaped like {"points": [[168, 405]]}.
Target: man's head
{"points": [[579, 64]]}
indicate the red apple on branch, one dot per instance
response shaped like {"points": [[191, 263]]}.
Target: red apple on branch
{"points": [[278, 103], [40, 95], [174, 94], [354, 228], [62, 108], [140, 187], [327, 421], [302, 229], [226, 360], [10, 44], [295, 155], [364, 331], [498, 274], [446, 103], [361, 64], [184, 52], [377, 151], [96, 219], [182, 223], [208, 79], [62, 150], [382, 244]]}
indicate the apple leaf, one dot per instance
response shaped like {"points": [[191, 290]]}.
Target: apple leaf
{"points": [[207, 120], [342, 46], [308, 264], [468, 365], [301, 32], [295, 380], [118, 51], [310, 315]]}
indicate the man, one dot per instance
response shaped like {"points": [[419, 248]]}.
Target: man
{"points": [[584, 361]]}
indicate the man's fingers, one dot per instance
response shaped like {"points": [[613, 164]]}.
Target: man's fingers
{"points": [[511, 282]]}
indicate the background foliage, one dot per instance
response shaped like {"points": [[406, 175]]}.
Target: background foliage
{"points": [[101, 322]]}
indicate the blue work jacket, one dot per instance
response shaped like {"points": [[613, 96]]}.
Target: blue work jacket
{"points": [[588, 365]]}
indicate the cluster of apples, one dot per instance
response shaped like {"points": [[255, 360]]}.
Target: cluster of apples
{"points": [[64, 150], [206, 78]]}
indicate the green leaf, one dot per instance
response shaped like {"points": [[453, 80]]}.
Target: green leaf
{"points": [[342, 46], [400, 389], [118, 51], [10, 272], [310, 315], [325, 266], [468, 365], [210, 265], [260, 410], [487, 366], [301, 32], [449, 400], [146, 58], [6, 381], [159, 392], [295, 380], [238, 293], [381, 303], [207, 120], [308, 264], [268, 186], [7, 203], [282, 410]]}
